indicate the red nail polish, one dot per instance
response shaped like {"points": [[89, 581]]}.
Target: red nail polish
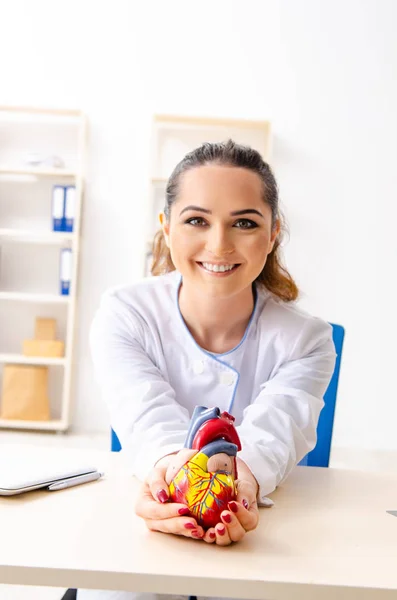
{"points": [[227, 518], [196, 534], [212, 535], [245, 504], [221, 530], [233, 506], [162, 496], [184, 511], [189, 526]]}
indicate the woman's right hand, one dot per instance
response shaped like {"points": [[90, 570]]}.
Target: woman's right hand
{"points": [[152, 505]]}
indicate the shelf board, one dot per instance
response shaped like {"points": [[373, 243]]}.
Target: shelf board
{"points": [[37, 237], [38, 298], [34, 110], [210, 122], [37, 172], [20, 359], [53, 425]]}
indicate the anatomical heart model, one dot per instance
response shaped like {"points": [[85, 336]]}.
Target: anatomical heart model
{"points": [[206, 481]]}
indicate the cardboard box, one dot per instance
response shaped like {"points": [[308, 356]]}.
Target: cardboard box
{"points": [[48, 348], [45, 329], [25, 393]]}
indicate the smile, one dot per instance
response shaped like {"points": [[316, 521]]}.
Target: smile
{"points": [[218, 269]]}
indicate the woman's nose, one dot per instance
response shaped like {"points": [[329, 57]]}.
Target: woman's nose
{"points": [[219, 242]]}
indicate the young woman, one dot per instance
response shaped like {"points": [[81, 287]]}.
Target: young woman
{"points": [[217, 326]]}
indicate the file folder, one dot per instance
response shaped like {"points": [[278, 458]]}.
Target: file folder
{"points": [[65, 271], [70, 207], [58, 207]]}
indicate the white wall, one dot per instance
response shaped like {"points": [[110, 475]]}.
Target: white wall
{"points": [[323, 72]]}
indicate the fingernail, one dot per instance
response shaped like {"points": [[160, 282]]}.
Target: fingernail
{"points": [[197, 534], [233, 506], [227, 518], [267, 502], [184, 511], [189, 526], [162, 496], [221, 530], [212, 535], [245, 504]]}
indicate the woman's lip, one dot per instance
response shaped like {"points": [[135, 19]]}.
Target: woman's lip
{"points": [[209, 262]]}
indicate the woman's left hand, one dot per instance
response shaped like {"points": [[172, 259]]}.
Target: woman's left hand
{"points": [[243, 513]]}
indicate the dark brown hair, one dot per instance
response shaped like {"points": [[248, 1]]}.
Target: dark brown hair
{"points": [[274, 275]]}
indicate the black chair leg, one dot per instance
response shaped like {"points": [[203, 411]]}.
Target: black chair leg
{"points": [[70, 594]]}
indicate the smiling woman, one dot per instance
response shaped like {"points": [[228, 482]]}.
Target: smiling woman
{"points": [[215, 184], [217, 326], [221, 230]]}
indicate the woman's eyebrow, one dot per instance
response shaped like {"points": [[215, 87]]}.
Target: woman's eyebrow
{"points": [[197, 208], [236, 213], [246, 211]]}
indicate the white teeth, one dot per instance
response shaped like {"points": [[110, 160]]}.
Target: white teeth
{"points": [[217, 268]]}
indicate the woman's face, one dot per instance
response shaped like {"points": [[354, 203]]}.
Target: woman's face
{"points": [[219, 233]]}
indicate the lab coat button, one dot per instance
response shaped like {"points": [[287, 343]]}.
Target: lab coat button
{"points": [[198, 367], [227, 378]]}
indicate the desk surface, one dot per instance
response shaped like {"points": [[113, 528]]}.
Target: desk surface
{"points": [[328, 536]]}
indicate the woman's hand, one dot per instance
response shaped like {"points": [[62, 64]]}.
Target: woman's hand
{"points": [[170, 517], [243, 514], [152, 505]]}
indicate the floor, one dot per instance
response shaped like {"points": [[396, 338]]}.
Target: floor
{"points": [[342, 458]]}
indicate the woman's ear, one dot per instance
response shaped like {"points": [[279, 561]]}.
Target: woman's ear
{"points": [[274, 234], [165, 227]]}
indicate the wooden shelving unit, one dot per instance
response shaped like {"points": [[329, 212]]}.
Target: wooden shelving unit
{"points": [[20, 359], [53, 425], [27, 189], [38, 172], [35, 298], [37, 237]]}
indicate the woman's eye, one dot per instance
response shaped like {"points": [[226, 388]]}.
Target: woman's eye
{"points": [[197, 221], [245, 224]]}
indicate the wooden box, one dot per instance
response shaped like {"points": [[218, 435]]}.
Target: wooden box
{"points": [[25, 393], [45, 329], [51, 348]]}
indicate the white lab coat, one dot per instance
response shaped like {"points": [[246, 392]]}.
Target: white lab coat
{"points": [[152, 374]]}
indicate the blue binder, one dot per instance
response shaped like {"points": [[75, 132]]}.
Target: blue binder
{"points": [[65, 271], [70, 207], [58, 207]]}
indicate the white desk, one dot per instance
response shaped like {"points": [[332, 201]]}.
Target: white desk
{"points": [[327, 537]]}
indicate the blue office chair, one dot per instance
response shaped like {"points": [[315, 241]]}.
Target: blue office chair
{"points": [[319, 457], [115, 445]]}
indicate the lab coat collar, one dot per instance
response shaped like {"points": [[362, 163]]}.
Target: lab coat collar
{"points": [[260, 296]]}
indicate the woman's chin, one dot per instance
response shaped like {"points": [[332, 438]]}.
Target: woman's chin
{"points": [[218, 288]]}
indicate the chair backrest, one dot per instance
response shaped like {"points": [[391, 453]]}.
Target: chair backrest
{"points": [[115, 445], [319, 456]]}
